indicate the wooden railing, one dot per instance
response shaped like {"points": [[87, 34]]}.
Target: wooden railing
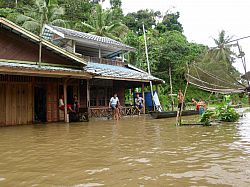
{"points": [[103, 60], [99, 112]]}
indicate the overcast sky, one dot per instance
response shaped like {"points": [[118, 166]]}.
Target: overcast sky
{"points": [[203, 19]]}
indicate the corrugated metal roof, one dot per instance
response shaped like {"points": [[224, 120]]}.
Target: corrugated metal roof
{"points": [[118, 72], [37, 67], [89, 37]]}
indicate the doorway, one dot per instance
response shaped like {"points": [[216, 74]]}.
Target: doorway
{"points": [[40, 104], [70, 93]]}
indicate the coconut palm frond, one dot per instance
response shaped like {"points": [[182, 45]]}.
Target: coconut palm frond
{"points": [[56, 12], [115, 26], [32, 26], [112, 36], [99, 16], [23, 18], [85, 27], [59, 22], [52, 2]]}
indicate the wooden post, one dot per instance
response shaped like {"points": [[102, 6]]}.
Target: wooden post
{"points": [[157, 89], [40, 53], [131, 92], [74, 46], [100, 55], [179, 114], [65, 101], [88, 97], [123, 58], [143, 96], [171, 88]]}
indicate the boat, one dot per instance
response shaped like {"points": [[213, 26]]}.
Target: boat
{"points": [[170, 114], [193, 123]]}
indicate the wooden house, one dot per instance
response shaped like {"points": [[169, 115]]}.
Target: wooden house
{"points": [[105, 58], [35, 72], [30, 86]]}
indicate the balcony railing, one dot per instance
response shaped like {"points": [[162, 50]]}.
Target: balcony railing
{"points": [[103, 60]]}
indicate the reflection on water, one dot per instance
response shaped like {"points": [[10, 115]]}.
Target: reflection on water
{"points": [[131, 152]]}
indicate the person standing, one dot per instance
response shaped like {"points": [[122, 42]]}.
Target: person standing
{"points": [[180, 98], [76, 104], [114, 104], [139, 103]]}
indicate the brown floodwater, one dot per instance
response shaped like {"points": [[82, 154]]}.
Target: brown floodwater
{"points": [[136, 151]]}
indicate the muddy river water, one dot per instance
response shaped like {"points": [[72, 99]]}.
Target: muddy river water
{"points": [[136, 151]]}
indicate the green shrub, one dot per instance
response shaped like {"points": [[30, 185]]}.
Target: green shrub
{"points": [[227, 114], [222, 113], [207, 116]]}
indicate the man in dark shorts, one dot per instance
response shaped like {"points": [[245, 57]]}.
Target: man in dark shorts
{"points": [[180, 99], [139, 103]]}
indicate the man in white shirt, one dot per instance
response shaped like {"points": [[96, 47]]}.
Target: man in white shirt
{"points": [[114, 104]]}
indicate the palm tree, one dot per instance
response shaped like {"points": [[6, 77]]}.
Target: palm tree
{"points": [[219, 60], [223, 50], [101, 25], [34, 17]]}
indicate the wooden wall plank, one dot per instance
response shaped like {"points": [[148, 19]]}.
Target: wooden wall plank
{"points": [[3, 103], [13, 104], [30, 104], [18, 105], [24, 103], [8, 106]]}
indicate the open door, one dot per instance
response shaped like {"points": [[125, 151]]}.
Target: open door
{"points": [[40, 104]]}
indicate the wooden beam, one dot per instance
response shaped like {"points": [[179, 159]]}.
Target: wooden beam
{"points": [[40, 53], [123, 58], [74, 46], [157, 89], [143, 96], [88, 96], [45, 73], [100, 54], [66, 120]]}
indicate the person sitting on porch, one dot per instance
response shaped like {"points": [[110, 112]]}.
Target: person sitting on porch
{"points": [[139, 103], [114, 104], [61, 104]]}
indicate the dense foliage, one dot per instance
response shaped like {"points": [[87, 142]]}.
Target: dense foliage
{"points": [[222, 113], [167, 45]]}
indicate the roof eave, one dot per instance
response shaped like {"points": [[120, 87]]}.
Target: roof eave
{"points": [[101, 44]]}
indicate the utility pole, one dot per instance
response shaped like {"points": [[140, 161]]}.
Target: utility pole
{"points": [[149, 72]]}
